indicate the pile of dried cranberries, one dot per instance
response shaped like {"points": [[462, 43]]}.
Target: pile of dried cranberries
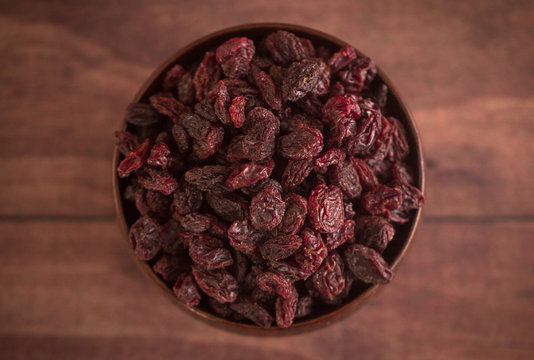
{"points": [[267, 179]]}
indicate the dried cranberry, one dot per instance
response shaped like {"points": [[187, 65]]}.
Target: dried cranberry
{"points": [[160, 156]]}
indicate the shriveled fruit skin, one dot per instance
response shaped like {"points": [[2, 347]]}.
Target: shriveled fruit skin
{"points": [[367, 265], [218, 284], [325, 208]]}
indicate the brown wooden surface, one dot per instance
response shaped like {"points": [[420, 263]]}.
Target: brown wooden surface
{"points": [[69, 288]]}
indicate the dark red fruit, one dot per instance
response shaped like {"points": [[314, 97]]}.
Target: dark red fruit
{"points": [[160, 156], [280, 247], [235, 55], [305, 142], [312, 253], [295, 214], [209, 252], [367, 265], [374, 232], [267, 208], [328, 279], [254, 312], [186, 290], [145, 238], [141, 114], [249, 174], [325, 208], [243, 237], [134, 160], [381, 199], [218, 284], [341, 59]]}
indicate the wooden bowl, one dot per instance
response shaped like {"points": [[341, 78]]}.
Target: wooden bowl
{"points": [[127, 214]]}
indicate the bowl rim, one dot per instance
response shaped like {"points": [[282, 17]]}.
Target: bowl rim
{"points": [[337, 313]]}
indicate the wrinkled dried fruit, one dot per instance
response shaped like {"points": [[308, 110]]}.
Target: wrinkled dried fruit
{"points": [[267, 208], [325, 208], [186, 290], [235, 55], [249, 174], [145, 238], [367, 265], [269, 281], [374, 232], [328, 279], [243, 237], [381, 199], [280, 247], [295, 214], [134, 160], [305, 142], [254, 312], [286, 309], [218, 284], [209, 252]]}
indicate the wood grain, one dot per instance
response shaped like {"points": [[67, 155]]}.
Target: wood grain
{"points": [[69, 286], [87, 293]]}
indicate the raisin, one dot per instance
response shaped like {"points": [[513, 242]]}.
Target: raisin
{"points": [[160, 156], [181, 138], [222, 103], [210, 178], [268, 90], [305, 142], [328, 279], [206, 75], [254, 312], [187, 199], [134, 160], [172, 77], [329, 158], [140, 114], [157, 179], [374, 232], [145, 238], [267, 208], [295, 214], [341, 59], [186, 89], [169, 106], [235, 55], [230, 209], [296, 171], [209, 252], [343, 235], [218, 284], [194, 222], [286, 309], [367, 265], [346, 177], [304, 307], [358, 74], [168, 267], [269, 281], [325, 208], [302, 78], [237, 111], [126, 142], [381, 199], [286, 47], [312, 253], [280, 247], [170, 242], [186, 290], [243, 237], [249, 174]]}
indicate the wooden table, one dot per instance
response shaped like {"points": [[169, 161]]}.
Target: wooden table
{"points": [[69, 287]]}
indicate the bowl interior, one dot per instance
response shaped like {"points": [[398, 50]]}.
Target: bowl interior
{"points": [[193, 53]]}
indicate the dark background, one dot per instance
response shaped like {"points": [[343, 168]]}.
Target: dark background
{"points": [[69, 287]]}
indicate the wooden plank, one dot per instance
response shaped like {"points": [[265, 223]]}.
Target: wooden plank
{"points": [[464, 292]]}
